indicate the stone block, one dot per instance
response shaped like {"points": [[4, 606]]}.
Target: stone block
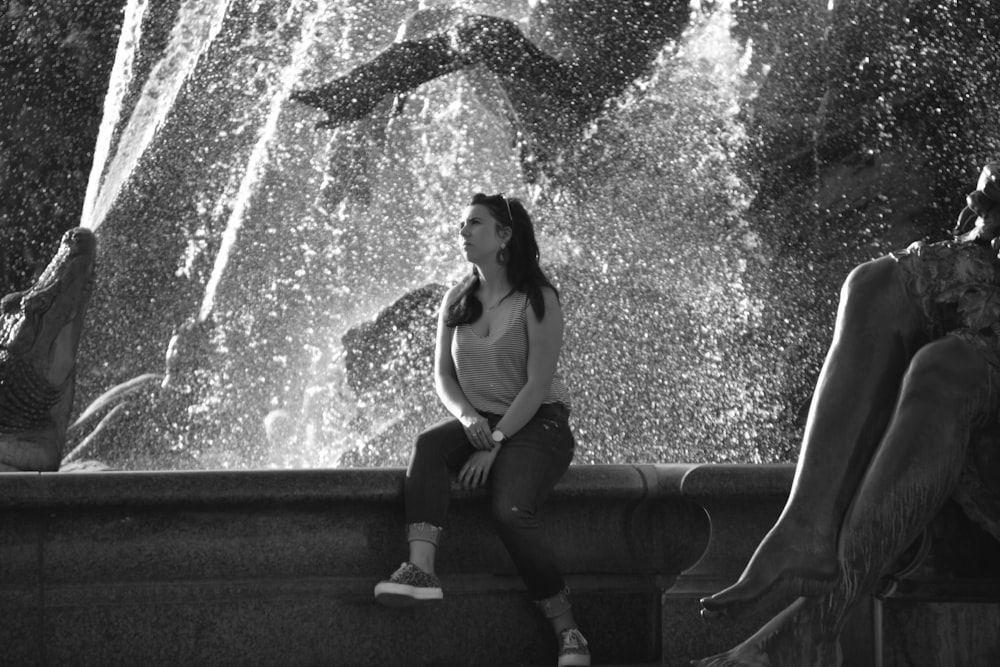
{"points": [[277, 568]]}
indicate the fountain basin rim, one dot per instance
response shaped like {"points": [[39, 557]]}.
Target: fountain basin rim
{"points": [[321, 485]]}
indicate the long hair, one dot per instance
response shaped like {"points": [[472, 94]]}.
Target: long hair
{"points": [[522, 265]]}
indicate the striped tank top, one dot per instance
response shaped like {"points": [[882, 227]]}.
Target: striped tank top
{"points": [[492, 370]]}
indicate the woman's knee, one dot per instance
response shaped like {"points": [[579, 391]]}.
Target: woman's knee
{"points": [[444, 435], [426, 440], [425, 446], [434, 444]]}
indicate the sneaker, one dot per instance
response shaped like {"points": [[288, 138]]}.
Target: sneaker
{"points": [[409, 585], [573, 648]]}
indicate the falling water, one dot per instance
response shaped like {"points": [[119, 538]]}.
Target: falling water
{"points": [[646, 237], [289, 75]]}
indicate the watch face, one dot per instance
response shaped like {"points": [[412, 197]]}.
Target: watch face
{"points": [[497, 436]]}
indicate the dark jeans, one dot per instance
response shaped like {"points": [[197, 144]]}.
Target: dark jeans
{"points": [[524, 472]]}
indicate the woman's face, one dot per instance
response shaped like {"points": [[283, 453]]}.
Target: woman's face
{"points": [[480, 234]]}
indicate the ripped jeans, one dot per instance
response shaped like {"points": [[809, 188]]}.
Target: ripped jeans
{"points": [[524, 472]]}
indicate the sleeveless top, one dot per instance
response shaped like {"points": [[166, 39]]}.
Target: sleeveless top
{"points": [[493, 369]]}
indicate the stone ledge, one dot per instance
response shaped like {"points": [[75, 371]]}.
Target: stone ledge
{"points": [[280, 564], [276, 567], [53, 489]]}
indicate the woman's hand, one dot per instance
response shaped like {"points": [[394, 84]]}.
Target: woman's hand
{"points": [[477, 469], [477, 430]]}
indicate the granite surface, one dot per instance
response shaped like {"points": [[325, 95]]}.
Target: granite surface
{"points": [[277, 568]]}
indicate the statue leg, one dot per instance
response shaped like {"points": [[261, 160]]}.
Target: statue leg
{"points": [[462, 40], [877, 331], [945, 393], [399, 69]]}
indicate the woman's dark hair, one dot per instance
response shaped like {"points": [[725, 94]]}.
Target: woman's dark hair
{"points": [[523, 271]]}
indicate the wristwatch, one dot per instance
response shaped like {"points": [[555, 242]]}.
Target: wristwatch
{"points": [[499, 437]]}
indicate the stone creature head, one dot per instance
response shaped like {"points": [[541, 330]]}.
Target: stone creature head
{"points": [[43, 324], [40, 331]]}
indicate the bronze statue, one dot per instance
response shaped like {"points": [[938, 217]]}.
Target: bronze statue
{"points": [[40, 332], [912, 374], [549, 81]]}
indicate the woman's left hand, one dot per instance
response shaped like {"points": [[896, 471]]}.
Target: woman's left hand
{"points": [[477, 469]]}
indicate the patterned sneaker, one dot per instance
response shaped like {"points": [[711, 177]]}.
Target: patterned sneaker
{"points": [[409, 585], [573, 648]]}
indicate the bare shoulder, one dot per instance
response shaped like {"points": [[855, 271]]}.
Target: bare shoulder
{"points": [[551, 298], [552, 307], [551, 295], [452, 295]]}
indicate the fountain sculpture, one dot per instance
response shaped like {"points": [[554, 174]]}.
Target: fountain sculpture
{"points": [[270, 273], [223, 206], [40, 333]]}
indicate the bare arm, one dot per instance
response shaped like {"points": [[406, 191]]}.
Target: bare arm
{"points": [[446, 381], [544, 344]]}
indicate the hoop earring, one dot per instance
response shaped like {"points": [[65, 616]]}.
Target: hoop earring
{"points": [[502, 254]]}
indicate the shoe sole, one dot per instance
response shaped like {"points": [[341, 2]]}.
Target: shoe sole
{"points": [[574, 661], [402, 595]]}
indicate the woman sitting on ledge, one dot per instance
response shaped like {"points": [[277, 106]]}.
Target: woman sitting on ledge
{"points": [[913, 370], [499, 336]]}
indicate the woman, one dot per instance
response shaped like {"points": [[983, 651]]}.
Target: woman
{"points": [[912, 373], [498, 341]]}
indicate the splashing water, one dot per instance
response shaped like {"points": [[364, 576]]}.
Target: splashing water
{"points": [[646, 237], [121, 79], [197, 25], [254, 168]]}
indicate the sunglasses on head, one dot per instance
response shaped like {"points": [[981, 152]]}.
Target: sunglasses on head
{"points": [[503, 196]]}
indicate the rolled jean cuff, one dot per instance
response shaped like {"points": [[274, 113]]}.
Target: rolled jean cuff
{"points": [[423, 532], [557, 605]]}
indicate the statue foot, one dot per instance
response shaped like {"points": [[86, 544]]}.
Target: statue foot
{"points": [[780, 570], [733, 659], [793, 637], [751, 654]]}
